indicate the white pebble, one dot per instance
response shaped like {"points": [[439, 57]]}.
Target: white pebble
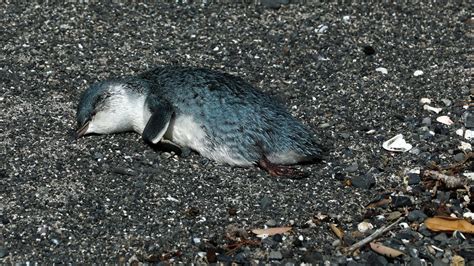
{"points": [[468, 215], [346, 19], [364, 227], [464, 146], [469, 175], [216, 49], [466, 133], [432, 109], [383, 70], [445, 120], [425, 101], [418, 73]]}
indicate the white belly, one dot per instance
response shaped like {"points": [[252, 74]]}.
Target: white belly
{"points": [[187, 133]]}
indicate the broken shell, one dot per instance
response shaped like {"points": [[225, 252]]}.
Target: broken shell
{"points": [[469, 176], [464, 146], [383, 70], [468, 215], [466, 133], [397, 144], [425, 101], [364, 227], [418, 73], [445, 120], [432, 109]]}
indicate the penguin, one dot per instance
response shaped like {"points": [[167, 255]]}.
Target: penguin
{"points": [[218, 115]]}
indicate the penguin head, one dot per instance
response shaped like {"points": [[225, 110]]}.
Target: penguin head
{"points": [[107, 107]]}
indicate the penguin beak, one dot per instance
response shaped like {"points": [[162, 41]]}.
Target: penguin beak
{"points": [[82, 131]]}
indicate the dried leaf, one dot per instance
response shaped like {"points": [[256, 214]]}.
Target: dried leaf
{"points": [[449, 224], [271, 231], [384, 250], [339, 233]]}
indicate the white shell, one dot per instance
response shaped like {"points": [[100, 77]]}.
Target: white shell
{"points": [[432, 109], [466, 133], [364, 227], [469, 175], [397, 144], [418, 73], [464, 146], [445, 120], [425, 101], [468, 215], [383, 70]]}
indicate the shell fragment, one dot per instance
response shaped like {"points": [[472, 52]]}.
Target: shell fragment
{"points": [[383, 70], [432, 109], [397, 144], [445, 120]]}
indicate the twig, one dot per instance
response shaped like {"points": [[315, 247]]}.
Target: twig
{"points": [[448, 180], [373, 236]]}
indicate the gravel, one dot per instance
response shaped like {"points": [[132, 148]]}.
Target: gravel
{"points": [[115, 199]]}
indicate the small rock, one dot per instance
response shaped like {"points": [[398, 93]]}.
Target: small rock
{"points": [[375, 259], [265, 203], [424, 101], [271, 223], [459, 157], [324, 125], [275, 255], [3, 252], [469, 119], [417, 73], [446, 102], [413, 179], [364, 182], [277, 238], [368, 50], [426, 121], [416, 216], [394, 215], [312, 257], [441, 237], [401, 201], [352, 168], [364, 227]]}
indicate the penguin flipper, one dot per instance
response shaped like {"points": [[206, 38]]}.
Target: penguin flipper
{"points": [[161, 113]]}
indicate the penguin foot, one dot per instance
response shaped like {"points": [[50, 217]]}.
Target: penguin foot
{"points": [[280, 170]]}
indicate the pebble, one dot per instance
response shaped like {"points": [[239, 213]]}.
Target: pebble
{"points": [[313, 257], [364, 227], [3, 252], [375, 259], [413, 179], [459, 157], [265, 203], [447, 102], [271, 223], [353, 167], [469, 119], [417, 73], [275, 255], [426, 121], [432, 109], [401, 201], [416, 216], [277, 238], [368, 50], [424, 101], [364, 182]]}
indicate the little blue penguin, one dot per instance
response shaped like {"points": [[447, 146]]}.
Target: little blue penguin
{"points": [[218, 115]]}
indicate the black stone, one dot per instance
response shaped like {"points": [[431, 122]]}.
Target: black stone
{"points": [[413, 179], [368, 50], [416, 216], [364, 182], [312, 257], [401, 201]]}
